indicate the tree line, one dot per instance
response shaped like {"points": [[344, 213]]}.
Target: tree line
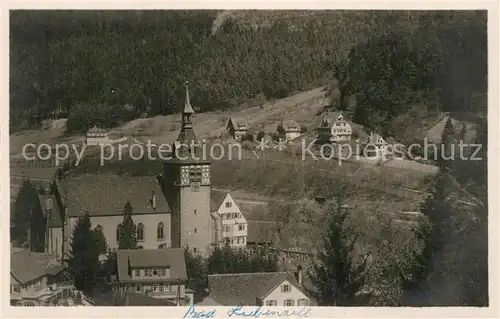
{"points": [[99, 67]]}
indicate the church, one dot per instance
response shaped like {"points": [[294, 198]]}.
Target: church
{"points": [[176, 209]]}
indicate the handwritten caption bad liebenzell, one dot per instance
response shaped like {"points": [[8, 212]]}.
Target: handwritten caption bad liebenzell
{"points": [[241, 311]]}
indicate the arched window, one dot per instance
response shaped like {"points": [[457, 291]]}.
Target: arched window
{"points": [[118, 232], [140, 232], [160, 231]]}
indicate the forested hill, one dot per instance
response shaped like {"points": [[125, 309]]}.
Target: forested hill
{"points": [[110, 66]]}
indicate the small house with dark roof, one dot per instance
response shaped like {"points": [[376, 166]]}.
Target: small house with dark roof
{"points": [[157, 273], [257, 289], [97, 136], [237, 127], [37, 279], [289, 130]]}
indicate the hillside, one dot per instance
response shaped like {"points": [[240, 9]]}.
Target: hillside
{"points": [[59, 66]]}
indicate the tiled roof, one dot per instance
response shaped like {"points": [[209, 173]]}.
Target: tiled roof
{"points": [[244, 289], [26, 265], [143, 258], [290, 125], [138, 300], [55, 220], [238, 123], [375, 139], [96, 129], [107, 194], [216, 199]]}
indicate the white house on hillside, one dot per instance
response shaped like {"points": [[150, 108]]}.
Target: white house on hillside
{"points": [[260, 289], [97, 136], [334, 128], [341, 130], [234, 226], [376, 147]]}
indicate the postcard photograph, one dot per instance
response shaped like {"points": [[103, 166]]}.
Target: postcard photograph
{"points": [[266, 161]]}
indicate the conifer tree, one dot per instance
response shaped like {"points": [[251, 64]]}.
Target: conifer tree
{"points": [[447, 149], [336, 277], [84, 260], [26, 218], [128, 230], [197, 274]]}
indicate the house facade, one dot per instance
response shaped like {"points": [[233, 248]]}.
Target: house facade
{"points": [[38, 279], [156, 273], [289, 130], [261, 289], [237, 128], [341, 130], [234, 226], [97, 136], [375, 147]]}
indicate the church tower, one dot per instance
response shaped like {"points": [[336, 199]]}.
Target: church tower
{"points": [[186, 184]]}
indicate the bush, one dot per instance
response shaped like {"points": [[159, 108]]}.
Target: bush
{"points": [[261, 135], [248, 137]]}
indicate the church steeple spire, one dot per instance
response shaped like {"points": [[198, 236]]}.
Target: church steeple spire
{"points": [[186, 136], [187, 103]]}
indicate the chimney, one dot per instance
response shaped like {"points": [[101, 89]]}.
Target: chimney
{"points": [[299, 275], [153, 200]]}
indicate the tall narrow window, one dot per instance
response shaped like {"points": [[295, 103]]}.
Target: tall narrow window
{"points": [[160, 231], [140, 232]]}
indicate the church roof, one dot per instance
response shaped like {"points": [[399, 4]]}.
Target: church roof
{"points": [[107, 194], [216, 199]]}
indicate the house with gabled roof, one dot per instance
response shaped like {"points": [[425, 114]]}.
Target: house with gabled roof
{"points": [[376, 147], [237, 127], [157, 273], [234, 226], [37, 279], [257, 289], [289, 130], [97, 136]]}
